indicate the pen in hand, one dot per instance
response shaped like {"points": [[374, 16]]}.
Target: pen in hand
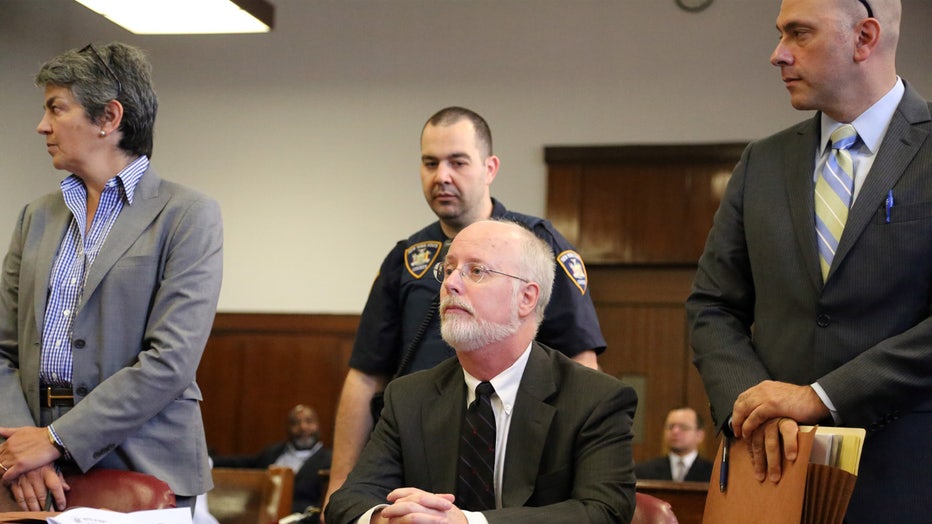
{"points": [[723, 472]]}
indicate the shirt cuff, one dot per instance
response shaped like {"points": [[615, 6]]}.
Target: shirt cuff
{"points": [[56, 441], [472, 517], [475, 517], [823, 396], [367, 516]]}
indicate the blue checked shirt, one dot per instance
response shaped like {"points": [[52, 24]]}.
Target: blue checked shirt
{"points": [[75, 256]]}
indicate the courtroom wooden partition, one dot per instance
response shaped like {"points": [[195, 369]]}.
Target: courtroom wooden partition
{"points": [[257, 366], [686, 498], [640, 215]]}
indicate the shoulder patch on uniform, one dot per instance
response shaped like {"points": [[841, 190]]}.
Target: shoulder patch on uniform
{"points": [[421, 256], [573, 264]]}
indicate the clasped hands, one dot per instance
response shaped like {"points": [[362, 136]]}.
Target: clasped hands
{"points": [[768, 416], [412, 505], [28, 458]]}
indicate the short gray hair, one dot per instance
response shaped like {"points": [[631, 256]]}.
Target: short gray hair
{"points": [[115, 71], [537, 265]]}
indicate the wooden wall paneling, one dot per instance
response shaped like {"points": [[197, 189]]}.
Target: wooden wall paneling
{"points": [[640, 215], [637, 204], [650, 210], [642, 318], [257, 366], [220, 376], [641, 310], [563, 199]]}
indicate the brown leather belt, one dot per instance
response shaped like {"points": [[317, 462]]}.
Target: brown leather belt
{"points": [[58, 397]]}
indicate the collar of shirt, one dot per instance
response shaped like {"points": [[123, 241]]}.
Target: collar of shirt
{"points": [[688, 459], [127, 179], [872, 124], [505, 384], [306, 453], [295, 458]]}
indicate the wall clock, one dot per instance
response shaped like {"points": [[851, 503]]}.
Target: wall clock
{"points": [[693, 6]]}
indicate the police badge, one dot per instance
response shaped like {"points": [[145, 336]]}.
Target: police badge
{"points": [[421, 256], [572, 263]]}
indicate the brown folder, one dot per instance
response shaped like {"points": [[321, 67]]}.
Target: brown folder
{"points": [[806, 493], [747, 501]]}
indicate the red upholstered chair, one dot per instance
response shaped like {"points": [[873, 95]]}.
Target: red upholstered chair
{"points": [[118, 490], [651, 510]]}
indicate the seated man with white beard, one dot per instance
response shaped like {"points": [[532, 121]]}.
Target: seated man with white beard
{"points": [[546, 440]]}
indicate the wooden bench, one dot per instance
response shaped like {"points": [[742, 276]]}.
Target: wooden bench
{"points": [[251, 496], [687, 498]]}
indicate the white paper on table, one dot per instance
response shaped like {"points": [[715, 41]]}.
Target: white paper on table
{"points": [[102, 516]]}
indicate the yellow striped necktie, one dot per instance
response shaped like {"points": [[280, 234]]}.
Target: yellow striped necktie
{"points": [[833, 194]]}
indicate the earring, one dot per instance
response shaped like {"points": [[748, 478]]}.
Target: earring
{"points": [[103, 133]]}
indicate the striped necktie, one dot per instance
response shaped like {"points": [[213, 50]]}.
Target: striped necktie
{"points": [[475, 488], [833, 194]]}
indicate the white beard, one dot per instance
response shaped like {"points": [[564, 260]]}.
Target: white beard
{"points": [[469, 333], [304, 442]]}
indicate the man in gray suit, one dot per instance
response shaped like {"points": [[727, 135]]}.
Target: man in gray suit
{"points": [[108, 294], [791, 325], [562, 444]]}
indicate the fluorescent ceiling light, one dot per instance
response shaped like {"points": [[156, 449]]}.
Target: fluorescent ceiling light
{"points": [[151, 17]]}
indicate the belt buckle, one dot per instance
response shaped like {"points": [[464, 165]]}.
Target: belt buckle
{"points": [[49, 397]]}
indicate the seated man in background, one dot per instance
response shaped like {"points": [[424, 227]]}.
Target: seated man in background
{"points": [[682, 435], [545, 440], [302, 452]]}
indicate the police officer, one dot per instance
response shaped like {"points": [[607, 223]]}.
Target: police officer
{"points": [[399, 330]]}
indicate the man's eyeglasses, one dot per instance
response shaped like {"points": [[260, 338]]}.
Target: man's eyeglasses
{"points": [[472, 271], [106, 66], [681, 427], [870, 12]]}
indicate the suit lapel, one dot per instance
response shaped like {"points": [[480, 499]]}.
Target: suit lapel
{"points": [[798, 157], [530, 425], [901, 143], [442, 415], [133, 220]]}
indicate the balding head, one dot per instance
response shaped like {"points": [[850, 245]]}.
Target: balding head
{"points": [[303, 427], [835, 58], [887, 12]]}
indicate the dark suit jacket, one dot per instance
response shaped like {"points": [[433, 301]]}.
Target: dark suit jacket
{"points": [[659, 469], [865, 334], [568, 457], [307, 487], [149, 303]]}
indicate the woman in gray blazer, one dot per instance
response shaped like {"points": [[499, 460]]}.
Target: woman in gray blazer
{"points": [[108, 293]]}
